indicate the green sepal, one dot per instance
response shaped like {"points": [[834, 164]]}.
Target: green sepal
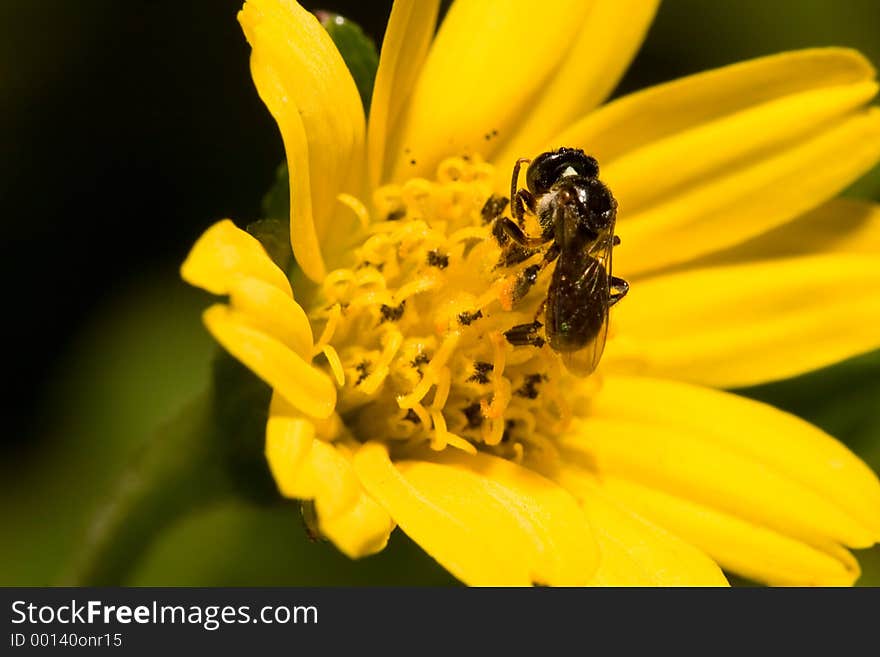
{"points": [[240, 410], [276, 202], [357, 49], [274, 235]]}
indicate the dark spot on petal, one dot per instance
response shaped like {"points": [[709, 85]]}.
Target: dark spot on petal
{"points": [[481, 372], [474, 415], [467, 318], [363, 369], [420, 359], [392, 313], [529, 388], [437, 259], [396, 215]]}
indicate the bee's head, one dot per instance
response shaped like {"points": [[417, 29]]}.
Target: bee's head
{"points": [[549, 168]]}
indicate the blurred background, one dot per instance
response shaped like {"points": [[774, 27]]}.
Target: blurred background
{"points": [[126, 128]]}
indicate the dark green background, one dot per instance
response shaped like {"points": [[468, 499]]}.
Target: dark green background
{"points": [[128, 127]]}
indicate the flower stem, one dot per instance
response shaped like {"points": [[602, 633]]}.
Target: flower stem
{"points": [[180, 470]]}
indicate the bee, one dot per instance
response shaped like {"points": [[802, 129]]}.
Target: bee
{"points": [[576, 213]]}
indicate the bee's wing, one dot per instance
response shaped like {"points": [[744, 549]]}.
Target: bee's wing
{"points": [[583, 361]]}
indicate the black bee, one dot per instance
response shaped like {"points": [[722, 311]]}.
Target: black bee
{"points": [[576, 213]]}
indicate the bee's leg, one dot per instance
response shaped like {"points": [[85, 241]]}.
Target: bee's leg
{"points": [[529, 276], [523, 200], [550, 254], [619, 288], [514, 179], [523, 335], [516, 233], [493, 208], [541, 309], [514, 186]]}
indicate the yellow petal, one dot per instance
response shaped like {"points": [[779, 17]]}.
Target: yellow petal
{"points": [[710, 212], [407, 37], [363, 529], [745, 324], [714, 159], [738, 545], [288, 446], [778, 441], [739, 457], [305, 387], [310, 469], [224, 254], [842, 226], [486, 520], [274, 313], [304, 82], [611, 34], [659, 112], [633, 551], [486, 65]]}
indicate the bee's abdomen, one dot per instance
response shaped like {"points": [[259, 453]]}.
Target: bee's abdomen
{"points": [[577, 303]]}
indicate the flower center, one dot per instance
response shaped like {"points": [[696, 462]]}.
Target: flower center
{"points": [[417, 332]]}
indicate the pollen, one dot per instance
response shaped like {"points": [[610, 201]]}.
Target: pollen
{"points": [[413, 332]]}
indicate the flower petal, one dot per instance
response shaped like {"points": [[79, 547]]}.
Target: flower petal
{"points": [[288, 446], [740, 457], [224, 254], [306, 388], [714, 212], [659, 112], [486, 520], [633, 551], [486, 65], [274, 313], [840, 226], [611, 34], [738, 545], [407, 37], [304, 82], [714, 159], [745, 324], [307, 468]]}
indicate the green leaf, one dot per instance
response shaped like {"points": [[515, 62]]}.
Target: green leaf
{"points": [[357, 50]]}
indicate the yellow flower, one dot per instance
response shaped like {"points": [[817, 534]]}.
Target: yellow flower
{"points": [[397, 400]]}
